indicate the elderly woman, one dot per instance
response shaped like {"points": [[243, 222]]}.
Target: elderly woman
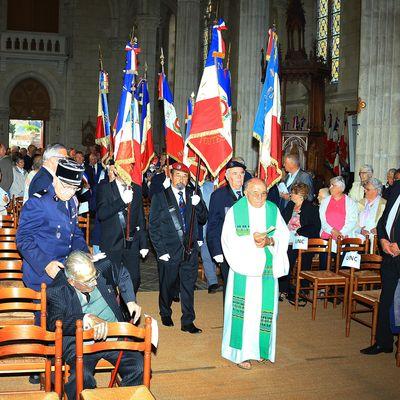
{"points": [[357, 190], [303, 220], [370, 209], [19, 175], [323, 193], [338, 212]]}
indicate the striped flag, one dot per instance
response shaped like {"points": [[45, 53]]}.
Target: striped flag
{"points": [[103, 128], [210, 135], [189, 156], [267, 125], [126, 123], [173, 138], [146, 130]]}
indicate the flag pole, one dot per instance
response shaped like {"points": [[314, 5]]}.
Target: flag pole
{"points": [[167, 173]]}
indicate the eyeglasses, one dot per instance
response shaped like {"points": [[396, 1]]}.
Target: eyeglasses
{"points": [[92, 282]]}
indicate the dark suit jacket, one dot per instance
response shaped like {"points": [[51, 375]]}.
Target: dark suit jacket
{"points": [[309, 219], [63, 302], [109, 203], [162, 230], [302, 177], [381, 227], [41, 180], [93, 178], [220, 202], [156, 184]]}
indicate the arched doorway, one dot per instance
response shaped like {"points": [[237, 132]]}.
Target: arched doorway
{"points": [[29, 109]]}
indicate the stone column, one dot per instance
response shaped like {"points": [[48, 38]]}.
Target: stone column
{"points": [[253, 23], [147, 24], [187, 54], [378, 136]]}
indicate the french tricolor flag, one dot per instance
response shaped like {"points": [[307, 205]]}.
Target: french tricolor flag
{"points": [[127, 129], [173, 138], [146, 131], [267, 125], [210, 135]]}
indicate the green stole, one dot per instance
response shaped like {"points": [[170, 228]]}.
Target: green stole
{"points": [[242, 225]]}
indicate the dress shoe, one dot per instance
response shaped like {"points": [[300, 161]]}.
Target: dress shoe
{"points": [[175, 299], [214, 288], [167, 321], [376, 349], [191, 328]]}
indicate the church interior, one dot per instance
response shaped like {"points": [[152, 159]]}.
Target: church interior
{"points": [[340, 102]]}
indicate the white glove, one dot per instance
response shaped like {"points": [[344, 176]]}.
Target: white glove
{"points": [[165, 257], [195, 199], [144, 252], [200, 243], [98, 256], [219, 258], [127, 196], [166, 183]]}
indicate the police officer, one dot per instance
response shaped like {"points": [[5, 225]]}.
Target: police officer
{"points": [[220, 202], [169, 228], [48, 228]]}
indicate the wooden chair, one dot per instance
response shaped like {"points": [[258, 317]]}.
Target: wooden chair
{"points": [[345, 246], [369, 273], [8, 234], [18, 202], [11, 270], [117, 330], [319, 279], [9, 251], [17, 306], [84, 224], [8, 221], [29, 349]]}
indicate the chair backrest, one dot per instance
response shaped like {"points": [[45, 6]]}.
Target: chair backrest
{"points": [[371, 261], [350, 244], [84, 223], [119, 330], [9, 251], [8, 221], [31, 340], [11, 269], [317, 246], [24, 299], [9, 233]]}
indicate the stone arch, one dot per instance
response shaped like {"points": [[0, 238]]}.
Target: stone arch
{"points": [[51, 85], [29, 99]]}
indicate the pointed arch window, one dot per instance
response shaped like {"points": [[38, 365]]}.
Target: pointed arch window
{"points": [[328, 34]]}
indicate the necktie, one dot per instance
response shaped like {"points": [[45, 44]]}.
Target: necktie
{"points": [[87, 295], [239, 194], [182, 209]]}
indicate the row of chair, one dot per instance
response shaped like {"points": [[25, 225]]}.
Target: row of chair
{"points": [[353, 286], [30, 349]]}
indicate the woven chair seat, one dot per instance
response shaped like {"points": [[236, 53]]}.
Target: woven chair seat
{"points": [[370, 296], [30, 396], [11, 284], [22, 364], [118, 393], [323, 276]]}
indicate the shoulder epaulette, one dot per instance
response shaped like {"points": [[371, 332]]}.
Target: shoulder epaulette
{"points": [[40, 193]]}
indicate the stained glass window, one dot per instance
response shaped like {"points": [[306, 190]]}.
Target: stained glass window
{"points": [[328, 33]]}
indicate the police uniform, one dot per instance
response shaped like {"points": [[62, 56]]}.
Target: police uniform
{"points": [[48, 228]]}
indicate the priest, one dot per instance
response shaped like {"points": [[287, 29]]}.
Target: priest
{"points": [[254, 240]]}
